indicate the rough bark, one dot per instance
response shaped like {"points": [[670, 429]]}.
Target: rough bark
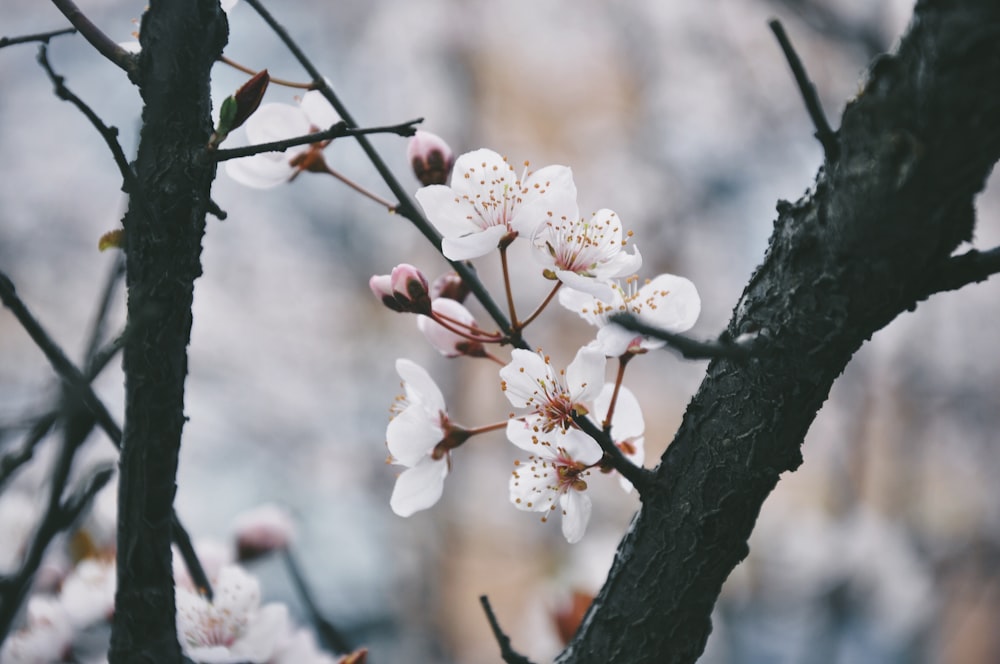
{"points": [[869, 241], [181, 39]]}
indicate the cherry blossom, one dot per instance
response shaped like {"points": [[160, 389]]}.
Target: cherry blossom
{"points": [[585, 254], [88, 593], [448, 342], [405, 289], [419, 437], [45, 638], [554, 397], [556, 471], [667, 302], [275, 122], [487, 203], [627, 424], [430, 157], [234, 627]]}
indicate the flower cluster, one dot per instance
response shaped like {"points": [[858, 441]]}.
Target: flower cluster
{"points": [[571, 422]]}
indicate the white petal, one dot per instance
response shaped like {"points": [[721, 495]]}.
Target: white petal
{"points": [[419, 487], [419, 385], [677, 303], [481, 172], [622, 265], [524, 434], [576, 515], [547, 181], [626, 421], [443, 339], [592, 287], [473, 245], [578, 446], [412, 435], [520, 377], [585, 374], [445, 210], [276, 122], [584, 304], [318, 110], [535, 209], [532, 485], [614, 340], [262, 634], [260, 171]]}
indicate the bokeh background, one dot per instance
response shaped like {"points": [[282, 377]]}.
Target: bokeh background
{"points": [[683, 118]]}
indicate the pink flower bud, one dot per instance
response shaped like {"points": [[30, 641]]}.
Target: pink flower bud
{"points": [[263, 530], [451, 286], [409, 286], [447, 342], [430, 157], [381, 285]]}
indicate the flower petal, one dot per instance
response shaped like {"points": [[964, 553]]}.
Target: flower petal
{"points": [[576, 508], [419, 487], [420, 387], [592, 287], [585, 374], [577, 445], [444, 340], [474, 244], [521, 378], [276, 122], [412, 435], [260, 171], [677, 303], [626, 421], [318, 110]]}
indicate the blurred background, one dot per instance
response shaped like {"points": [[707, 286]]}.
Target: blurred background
{"points": [[681, 117]]}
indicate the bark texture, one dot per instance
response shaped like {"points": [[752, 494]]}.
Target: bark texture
{"points": [[181, 39], [871, 239]]}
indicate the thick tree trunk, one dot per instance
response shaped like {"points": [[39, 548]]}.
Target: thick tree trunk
{"points": [[181, 39], [872, 239]]}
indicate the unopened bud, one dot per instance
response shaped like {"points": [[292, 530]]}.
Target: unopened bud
{"points": [[404, 290], [451, 286], [263, 530], [381, 285], [447, 342], [430, 157], [239, 106]]}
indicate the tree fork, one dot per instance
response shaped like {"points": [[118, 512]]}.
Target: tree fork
{"points": [[181, 39], [886, 213]]}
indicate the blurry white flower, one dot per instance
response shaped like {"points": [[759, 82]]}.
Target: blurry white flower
{"points": [[88, 593], [627, 425], [487, 202], [262, 530], [555, 471], [214, 555], [667, 302], [299, 647], [234, 627], [448, 342], [530, 381], [416, 437], [19, 514], [45, 638], [275, 122], [585, 254]]}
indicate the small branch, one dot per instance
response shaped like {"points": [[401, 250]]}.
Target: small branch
{"points": [[336, 131], [640, 478], [738, 349], [507, 653], [826, 136], [971, 267], [100, 41], [330, 635], [274, 80], [43, 37], [183, 541]]}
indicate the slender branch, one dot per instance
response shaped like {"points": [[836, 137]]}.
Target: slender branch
{"points": [[640, 478], [541, 307], [43, 37], [100, 41], [507, 653], [183, 541], [330, 635], [274, 80], [826, 136], [388, 205], [971, 267], [406, 207], [336, 131], [738, 349]]}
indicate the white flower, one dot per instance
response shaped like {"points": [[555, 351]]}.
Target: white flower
{"points": [[299, 647], [530, 381], [487, 202], [447, 342], [214, 556], [275, 122], [45, 638], [234, 627], [667, 302], [555, 471], [416, 439], [627, 425], [585, 253], [88, 593]]}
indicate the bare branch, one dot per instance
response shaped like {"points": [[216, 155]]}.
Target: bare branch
{"points": [[43, 37], [826, 136], [336, 131], [637, 475], [100, 41], [507, 653], [971, 267], [691, 349], [327, 632]]}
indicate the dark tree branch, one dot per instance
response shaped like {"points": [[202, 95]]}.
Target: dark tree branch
{"points": [[43, 37], [826, 20], [100, 41], [691, 349], [331, 637], [916, 146], [826, 136], [637, 475], [971, 267], [406, 207], [507, 653], [336, 131]]}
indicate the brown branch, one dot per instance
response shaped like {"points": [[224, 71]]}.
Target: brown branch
{"points": [[691, 349], [43, 37], [507, 652], [336, 131], [100, 41]]}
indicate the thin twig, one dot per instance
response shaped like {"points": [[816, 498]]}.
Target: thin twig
{"points": [[826, 136], [328, 634], [507, 653], [336, 131], [100, 41], [43, 37], [406, 207], [738, 349], [274, 80]]}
